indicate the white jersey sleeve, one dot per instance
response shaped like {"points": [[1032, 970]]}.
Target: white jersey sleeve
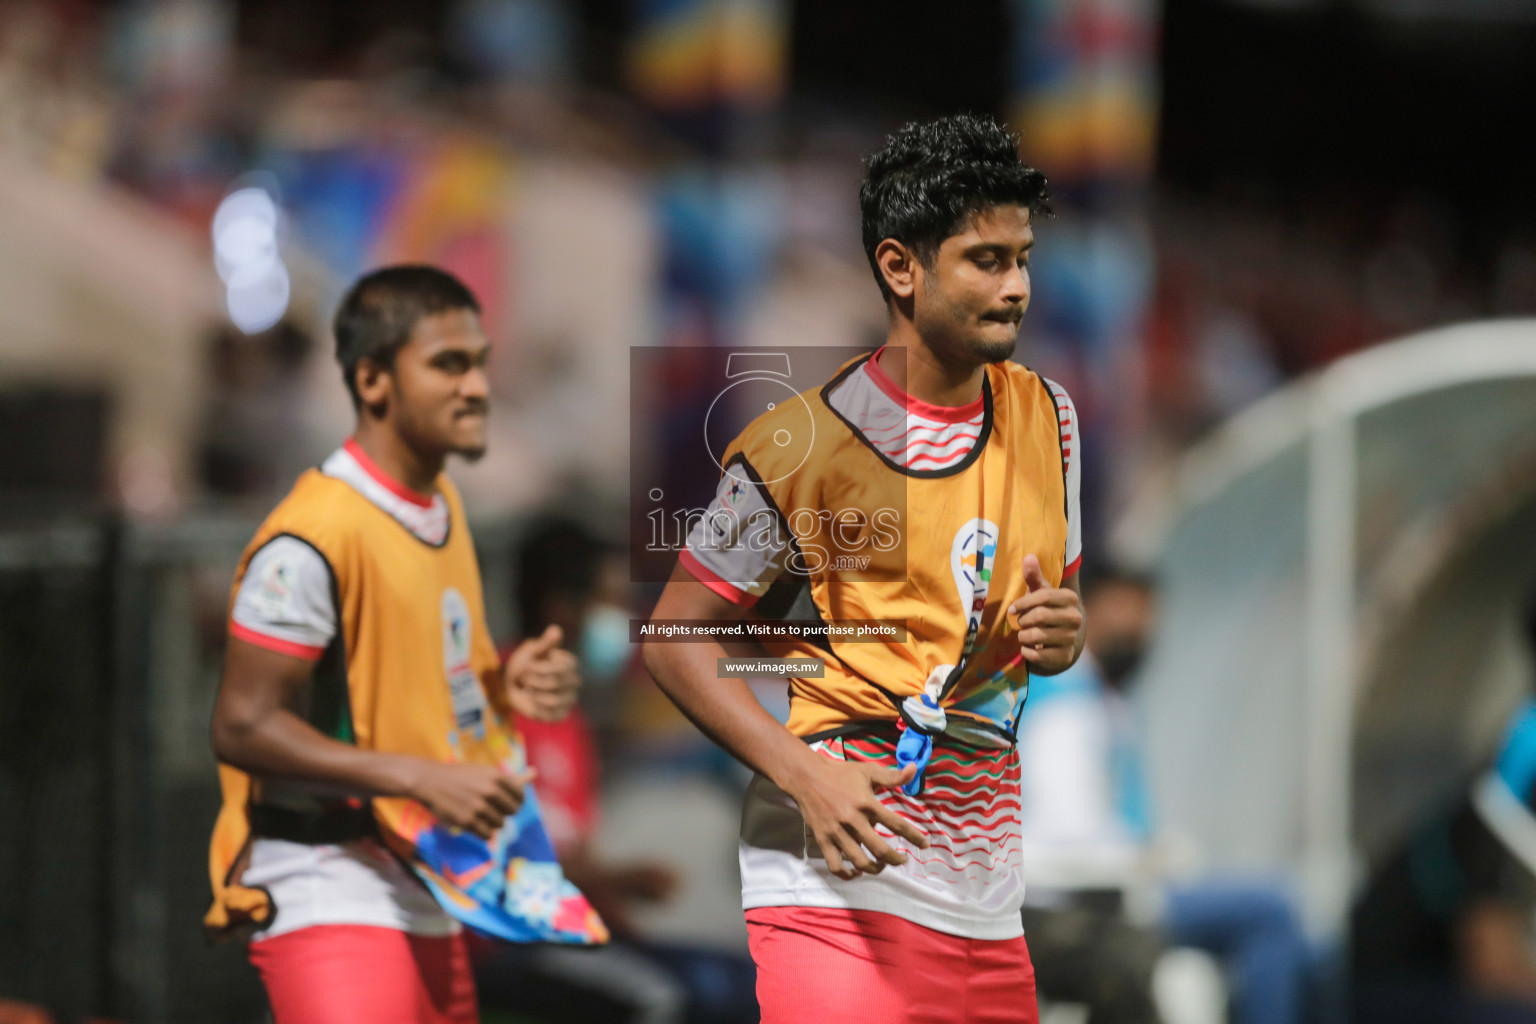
{"points": [[285, 602], [741, 545], [1071, 454]]}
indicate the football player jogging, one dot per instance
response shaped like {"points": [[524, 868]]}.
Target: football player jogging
{"points": [[372, 792], [880, 851]]}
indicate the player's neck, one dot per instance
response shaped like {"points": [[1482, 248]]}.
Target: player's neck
{"points": [[396, 459], [912, 367]]}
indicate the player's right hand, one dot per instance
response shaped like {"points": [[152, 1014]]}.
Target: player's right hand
{"points": [[839, 803], [473, 797]]}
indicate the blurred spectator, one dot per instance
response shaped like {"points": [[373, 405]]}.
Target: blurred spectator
{"points": [[1443, 932], [253, 440], [572, 578], [1088, 842], [54, 110]]}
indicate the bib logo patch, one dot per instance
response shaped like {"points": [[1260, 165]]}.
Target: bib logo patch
{"points": [[273, 595], [971, 555], [463, 685]]}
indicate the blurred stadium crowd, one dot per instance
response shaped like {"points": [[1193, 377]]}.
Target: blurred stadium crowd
{"points": [[549, 152]]}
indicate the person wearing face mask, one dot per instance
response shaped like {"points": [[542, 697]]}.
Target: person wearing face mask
{"points": [[1089, 841], [571, 577]]}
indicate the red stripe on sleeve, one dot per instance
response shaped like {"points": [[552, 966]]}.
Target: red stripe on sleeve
{"points": [[273, 643], [1071, 570], [730, 591]]}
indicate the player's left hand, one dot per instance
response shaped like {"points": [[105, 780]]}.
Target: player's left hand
{"points": [[541, 677], [1049, 622]]}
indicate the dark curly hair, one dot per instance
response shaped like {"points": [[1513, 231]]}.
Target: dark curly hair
{"points": [[929, 179], [379, 313]]}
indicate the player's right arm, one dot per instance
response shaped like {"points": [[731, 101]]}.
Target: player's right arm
{"points": [[255, 730], [283, 618], [837, 798]]}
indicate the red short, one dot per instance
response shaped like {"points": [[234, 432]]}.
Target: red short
{"points": [[859, 965], [359, 974]]}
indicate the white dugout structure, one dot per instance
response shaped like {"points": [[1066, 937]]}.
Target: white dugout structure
{"points": [[1341, 569]]}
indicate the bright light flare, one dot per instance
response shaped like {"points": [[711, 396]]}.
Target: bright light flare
{"points": [[257, 303], [247, 255]]}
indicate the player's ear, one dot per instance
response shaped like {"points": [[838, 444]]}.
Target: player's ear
{"points": [[898, 265], [372, 380]]}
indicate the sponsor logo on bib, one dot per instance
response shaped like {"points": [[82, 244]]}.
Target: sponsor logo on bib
{"points": [[463, 684], [970, 560], [273, 596]]}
